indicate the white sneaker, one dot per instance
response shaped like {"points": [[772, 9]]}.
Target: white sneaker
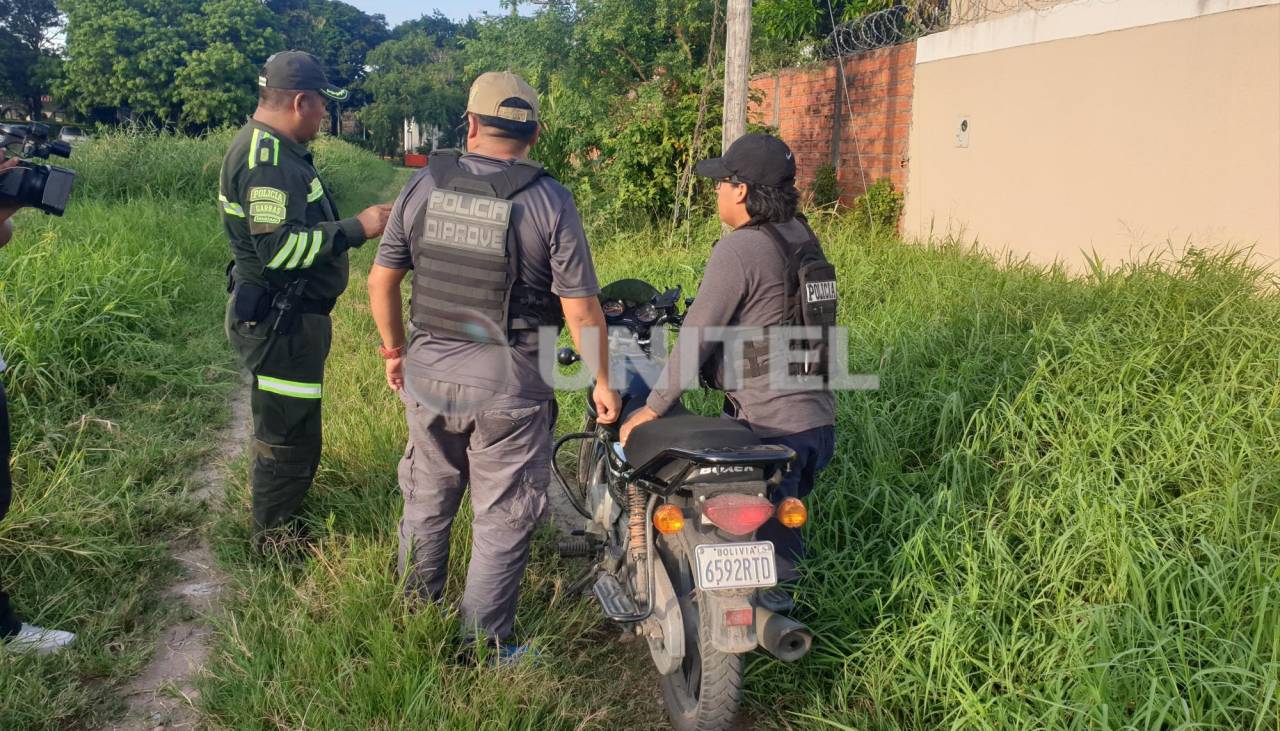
{"points": [[38, 640]]}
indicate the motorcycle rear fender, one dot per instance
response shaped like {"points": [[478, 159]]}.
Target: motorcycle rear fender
{"points": [[717, 603], [734, 640]]}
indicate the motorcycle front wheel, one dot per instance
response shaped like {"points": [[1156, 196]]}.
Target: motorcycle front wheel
{"points": [[705, 692]]}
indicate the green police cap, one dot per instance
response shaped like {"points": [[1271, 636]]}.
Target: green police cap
{"points": [[298, 70]]}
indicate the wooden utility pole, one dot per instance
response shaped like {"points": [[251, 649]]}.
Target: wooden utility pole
{"points": [[737, 66]]}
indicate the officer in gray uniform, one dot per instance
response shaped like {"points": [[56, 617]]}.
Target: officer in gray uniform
{"points": [[497, 250], [768, 272]]}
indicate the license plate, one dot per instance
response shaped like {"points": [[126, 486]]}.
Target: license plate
{"points": [[735, 565]]}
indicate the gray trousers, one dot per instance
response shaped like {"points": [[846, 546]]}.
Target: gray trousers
{"points": [[498, 444]]}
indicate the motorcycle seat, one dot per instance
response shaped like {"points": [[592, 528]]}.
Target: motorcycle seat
{"points": [[681, 428]]}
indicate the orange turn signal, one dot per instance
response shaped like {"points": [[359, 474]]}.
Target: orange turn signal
{"points": [[792, 513], [668, 519]]}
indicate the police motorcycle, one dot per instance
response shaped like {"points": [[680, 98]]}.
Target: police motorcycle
{"points": [[669, 524]]}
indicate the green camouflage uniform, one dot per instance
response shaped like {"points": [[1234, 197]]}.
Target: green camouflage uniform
{"points": [[283, 226]]}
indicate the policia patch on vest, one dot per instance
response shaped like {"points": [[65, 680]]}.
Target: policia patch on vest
{"points": [[820, 292], [475, 223], [466, 260]]}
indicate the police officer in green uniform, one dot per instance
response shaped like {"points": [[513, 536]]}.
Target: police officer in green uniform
{"points": [[289, 248]]}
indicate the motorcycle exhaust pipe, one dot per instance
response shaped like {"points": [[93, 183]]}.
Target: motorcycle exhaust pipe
{"points": [[783, 637]]}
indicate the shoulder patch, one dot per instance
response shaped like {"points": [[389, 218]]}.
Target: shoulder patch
{"points": [[265, 193], [264, 149], [316, 192], [268, 206]]}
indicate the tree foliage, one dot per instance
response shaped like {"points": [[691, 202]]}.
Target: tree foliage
{"points": [[341, 35], [623, 83], [419, 76], [28, 63], [217, 82], [194, 62]]}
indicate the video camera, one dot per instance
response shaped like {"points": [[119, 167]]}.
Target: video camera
{"points": [[46, 187]]}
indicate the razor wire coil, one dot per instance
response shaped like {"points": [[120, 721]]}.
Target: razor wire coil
{"points": [[907, 20]]}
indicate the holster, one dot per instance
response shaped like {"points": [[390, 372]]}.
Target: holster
{"points": [[289, 303], [285, 305], [251, 303]]}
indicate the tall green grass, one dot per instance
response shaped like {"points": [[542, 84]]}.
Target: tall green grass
{"points": [[110, 320], [1060, 511], [127, 166]]}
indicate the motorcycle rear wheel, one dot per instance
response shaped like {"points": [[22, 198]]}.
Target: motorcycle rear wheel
{"points": [[705, 692]]}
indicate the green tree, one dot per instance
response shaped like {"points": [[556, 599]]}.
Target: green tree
{"points": [[28, 61], [339, 34], [124, 54], [437, 25], [190, 62], [418, 76], [194, 62], [217, 82], [621, 85]]}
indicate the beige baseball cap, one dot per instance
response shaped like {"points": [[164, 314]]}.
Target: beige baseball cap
{"points": [[493, 88]]}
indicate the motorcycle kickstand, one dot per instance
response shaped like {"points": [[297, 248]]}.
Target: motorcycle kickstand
{"points": [[581, 583]]}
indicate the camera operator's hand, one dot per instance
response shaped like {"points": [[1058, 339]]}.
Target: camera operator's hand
{"points": [[374, 219], [7, 211]]}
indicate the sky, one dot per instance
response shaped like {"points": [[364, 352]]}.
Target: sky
{"points": [[398, 11]]}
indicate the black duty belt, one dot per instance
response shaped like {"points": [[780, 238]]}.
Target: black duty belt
{"points": [[316, 307]]}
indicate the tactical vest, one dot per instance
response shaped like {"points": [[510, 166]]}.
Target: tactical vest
{"points": [[466, 258], [810, 302]]}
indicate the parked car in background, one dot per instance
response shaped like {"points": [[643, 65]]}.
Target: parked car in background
{"points": [[72, 134]]}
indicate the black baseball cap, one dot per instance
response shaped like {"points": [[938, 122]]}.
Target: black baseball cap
{"points": [[755, 159], [298, 70]]}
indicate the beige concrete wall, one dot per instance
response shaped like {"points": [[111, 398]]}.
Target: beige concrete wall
{"points": [[1116, 142], [973, 11]]}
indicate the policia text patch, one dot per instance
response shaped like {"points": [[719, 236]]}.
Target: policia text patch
{"points": [[820, 291], [467, 221], [268, 205]]}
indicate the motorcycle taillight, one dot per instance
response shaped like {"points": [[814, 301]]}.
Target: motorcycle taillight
{"points": [[738, 514]]}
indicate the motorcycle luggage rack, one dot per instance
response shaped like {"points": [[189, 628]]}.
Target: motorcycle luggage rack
{"points": [[771, 457]]}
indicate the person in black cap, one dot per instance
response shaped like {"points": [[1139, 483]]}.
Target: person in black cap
{"points": [[766, 274], [289, 249]]}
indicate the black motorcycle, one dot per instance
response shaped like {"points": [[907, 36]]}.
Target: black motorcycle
{"points": [[669, 524]]}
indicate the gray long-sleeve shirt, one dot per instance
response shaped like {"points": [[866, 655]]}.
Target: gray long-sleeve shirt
{"points": [[744, 286]]}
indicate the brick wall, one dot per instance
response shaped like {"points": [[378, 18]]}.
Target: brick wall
{"points": [[810, 114]]}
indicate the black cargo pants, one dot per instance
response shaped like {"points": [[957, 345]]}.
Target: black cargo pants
{"points": [[814, 449], [9, 622], [287, 373]]}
